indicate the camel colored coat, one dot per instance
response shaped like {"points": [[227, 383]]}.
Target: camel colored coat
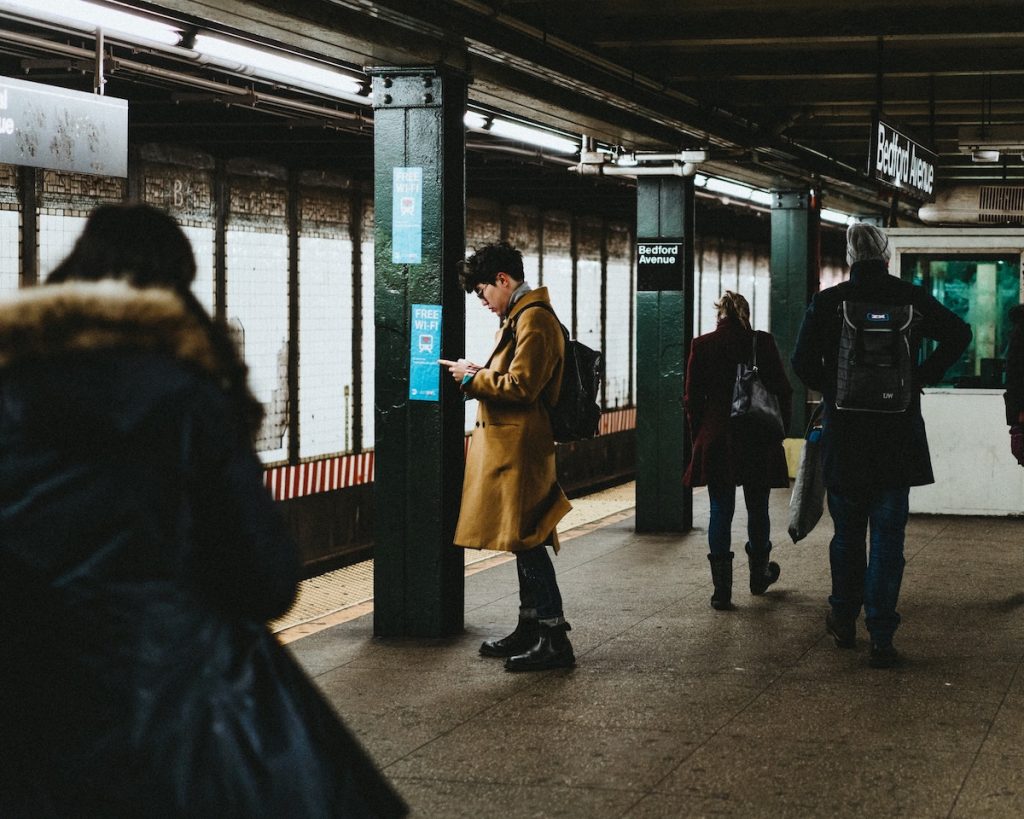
{"points": [[511, 499]]}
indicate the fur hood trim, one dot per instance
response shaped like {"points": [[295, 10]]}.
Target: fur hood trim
{"points": [[51, 322]]}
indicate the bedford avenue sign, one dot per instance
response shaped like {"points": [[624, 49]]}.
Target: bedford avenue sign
{"points": [[46, 127], [899, 162]]}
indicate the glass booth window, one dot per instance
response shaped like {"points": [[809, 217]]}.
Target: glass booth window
{"points": [[980, 289]]}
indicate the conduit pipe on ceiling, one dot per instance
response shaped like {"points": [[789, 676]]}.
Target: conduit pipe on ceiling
{"points": [[686, 169]]}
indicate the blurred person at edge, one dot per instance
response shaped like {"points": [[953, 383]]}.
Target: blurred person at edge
{"points": [[511, 500], [727, 454], [1014, 395], [140, 557], [871, 459]]}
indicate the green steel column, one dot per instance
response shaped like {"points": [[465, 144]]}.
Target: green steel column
{"points": [[664, 330], [794, 280], [418, 573]]}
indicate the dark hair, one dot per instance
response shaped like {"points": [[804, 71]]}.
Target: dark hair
{"points": [[146, 247], [733, 305], [487, 262], [139, 243]]}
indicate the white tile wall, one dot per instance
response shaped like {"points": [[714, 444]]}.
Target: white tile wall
{"points": [[57, 235], [369, 341], [257, 300], [588, 302], [746, 281], [481, 334], [531, 268], [201, 239], [558, 281], [616, 356], [739, 270], [325, 346], [761, 306], [710, 288], [10, 264]]}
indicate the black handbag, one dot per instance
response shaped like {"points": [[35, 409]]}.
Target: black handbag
{"points": [[753, 404]]}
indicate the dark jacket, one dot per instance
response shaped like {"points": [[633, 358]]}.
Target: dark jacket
{"points": [[724, 452], [867, 450], [1014, 395], [139, 558]]}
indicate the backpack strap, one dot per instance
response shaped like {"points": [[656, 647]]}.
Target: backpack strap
{"points": [[551, 310], [547, 307]]}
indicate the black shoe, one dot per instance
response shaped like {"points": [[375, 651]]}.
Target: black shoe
{"points": [[552, 650], [883, 656], [762, 571], [721, 577], [843, 632], [524, 637]]}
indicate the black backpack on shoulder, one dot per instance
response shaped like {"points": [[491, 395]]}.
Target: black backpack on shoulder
{"points": [[577, 415], [875, 372]]}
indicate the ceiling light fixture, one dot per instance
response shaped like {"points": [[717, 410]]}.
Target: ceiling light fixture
{"points": [[475, 121], [290, 70], [90, 16], [984, 155], [534, 136]]}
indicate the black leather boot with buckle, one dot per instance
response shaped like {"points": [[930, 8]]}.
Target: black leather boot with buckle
{"points": [[762, 571], [721, 577], [523, 638], [552, 650]]}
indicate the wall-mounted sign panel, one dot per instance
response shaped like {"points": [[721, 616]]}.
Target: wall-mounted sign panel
{"points": [[424, 350], [899, 162], [407, 216], [46, 127], [659, 265]]}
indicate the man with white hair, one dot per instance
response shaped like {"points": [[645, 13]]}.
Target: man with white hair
{"points": [[859, 346]]}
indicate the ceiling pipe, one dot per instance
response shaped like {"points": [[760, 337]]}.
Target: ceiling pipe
{"points": [[585, 169]]}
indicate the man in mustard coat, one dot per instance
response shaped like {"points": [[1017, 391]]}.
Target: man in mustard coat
{"points": [[511, 500]]}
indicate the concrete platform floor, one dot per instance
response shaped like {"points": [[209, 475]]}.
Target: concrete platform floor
{"points": [[676, 710]]}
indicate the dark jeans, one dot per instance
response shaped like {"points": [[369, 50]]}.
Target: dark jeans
{"points": [[723, 506], [874, 582], [538, 588]]}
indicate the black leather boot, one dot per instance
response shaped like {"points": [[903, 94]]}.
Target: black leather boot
{"points": [[524, 637], [552, 650], [762, 571], [721, 576]]}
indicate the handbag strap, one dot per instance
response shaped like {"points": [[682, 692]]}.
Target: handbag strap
{"points": [[816, 418], [753, 344]]}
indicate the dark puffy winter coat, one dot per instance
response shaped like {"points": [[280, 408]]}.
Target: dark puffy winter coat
{"points": [[869, 450], [725, 452], [1014, 395], [139, 558]]}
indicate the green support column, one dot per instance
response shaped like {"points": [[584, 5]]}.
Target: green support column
{"points": [[795, 266], [664, 330], [418, 130]]}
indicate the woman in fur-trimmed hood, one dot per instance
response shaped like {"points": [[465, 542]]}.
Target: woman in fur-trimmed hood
{"points": [[140, 557]]}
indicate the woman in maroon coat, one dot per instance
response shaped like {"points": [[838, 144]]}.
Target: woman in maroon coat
{"points": [[727, 454]]}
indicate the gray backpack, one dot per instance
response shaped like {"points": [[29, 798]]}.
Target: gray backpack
{"points": [[875, 372]]}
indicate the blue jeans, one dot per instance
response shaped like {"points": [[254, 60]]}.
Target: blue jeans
{"points": [[874, 582], [538, 588], [723, 506]]}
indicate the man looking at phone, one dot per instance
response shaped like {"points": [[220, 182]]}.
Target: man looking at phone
{"points": [[511, 500]]}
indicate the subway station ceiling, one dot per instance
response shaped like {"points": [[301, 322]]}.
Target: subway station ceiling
{"points": [[779, 92]]}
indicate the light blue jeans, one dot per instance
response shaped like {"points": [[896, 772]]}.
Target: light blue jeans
{"points": [[873, 582]]}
